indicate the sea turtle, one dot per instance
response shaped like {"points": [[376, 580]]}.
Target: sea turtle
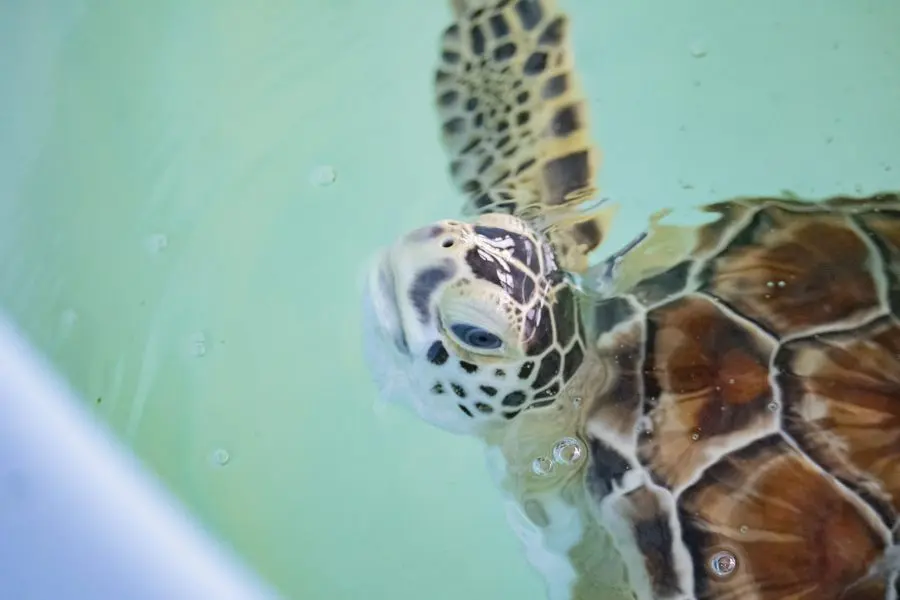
{"points": [[712, 411]]}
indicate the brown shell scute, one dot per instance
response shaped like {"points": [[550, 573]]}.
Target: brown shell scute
{"points": [[706, 382], [796, 271], [794, 533], [842, 406]]}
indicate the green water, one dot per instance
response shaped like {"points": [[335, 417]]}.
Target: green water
{"points": [[169, 240]]}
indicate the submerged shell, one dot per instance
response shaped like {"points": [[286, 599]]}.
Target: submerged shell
{"points": [[756, 381]]}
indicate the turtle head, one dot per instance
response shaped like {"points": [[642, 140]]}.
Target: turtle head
{"points": [[475, 321]]}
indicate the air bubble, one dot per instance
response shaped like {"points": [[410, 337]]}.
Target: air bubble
{"points": [[772, 406], [323, 176], [695, 436], [542, 466], [568, 451], [197, 344], [744, 529], [157, 243], [723, 563], [67, 320], [221, 457], [698, 50]]}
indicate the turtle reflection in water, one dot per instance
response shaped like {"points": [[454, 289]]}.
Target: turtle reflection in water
{"points": [[717, 415]]}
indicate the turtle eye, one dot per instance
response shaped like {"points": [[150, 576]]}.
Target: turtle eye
{"points": [[475, 337]]}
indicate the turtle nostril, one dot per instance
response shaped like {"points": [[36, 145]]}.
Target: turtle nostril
{"points": [[447, 243]]}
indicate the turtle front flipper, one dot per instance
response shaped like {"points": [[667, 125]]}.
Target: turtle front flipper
{"points": [[514, 121]]}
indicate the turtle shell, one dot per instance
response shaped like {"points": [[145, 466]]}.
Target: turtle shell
{"points": [[746, 441]]}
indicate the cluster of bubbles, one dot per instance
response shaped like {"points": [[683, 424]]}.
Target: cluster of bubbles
{"points": [[565, 452]]}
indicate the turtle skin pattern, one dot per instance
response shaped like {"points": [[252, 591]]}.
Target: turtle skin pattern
{"points": [[748, 436]]}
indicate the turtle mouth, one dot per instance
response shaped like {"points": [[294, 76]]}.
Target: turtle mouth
{"points": [[383, 296]]}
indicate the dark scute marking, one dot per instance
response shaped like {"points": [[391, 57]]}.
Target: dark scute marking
{"points": [[555, 86], [450, 57], [504, 51], [437, 388], [500, 373], [503, 141], [526, 164], [538, 331], [522, 97], [468, 367], [588, 233], [573, 361], [437, 354], [471, 187], [564, 315], [530, 13], [452, 31], [479, 120], [535, 64], [513, 399], [465, 410], [548, 370], [526, 369], [523, 249], [471, 145], [490, 391], [664, 285], [554, 33], [500, 179], [448, 98], [522, 118], [656, 542], [471, 104], [609, 313], [549, 392], [651, 383], [499, 26], [488, 269], [564, 122], [502, 126], [477, 38], [485, 164], [511, 415], [607, 468], [543, 403], [484, 408], [566, 174], [454, 126], [424, 285], [482, 201], [442, 76], [458, 390]]}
